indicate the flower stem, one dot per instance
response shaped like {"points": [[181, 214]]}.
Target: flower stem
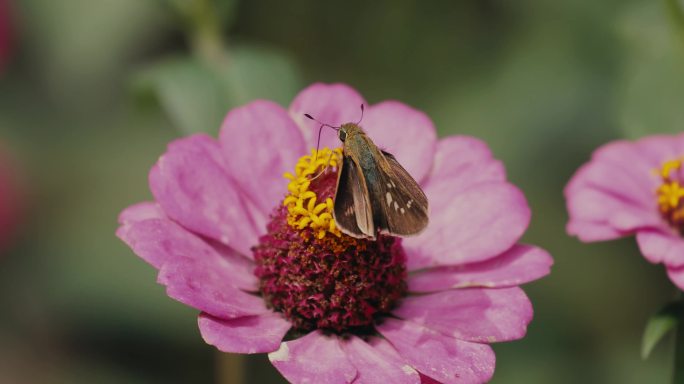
{"points": [[230, 368], [205, 30]]}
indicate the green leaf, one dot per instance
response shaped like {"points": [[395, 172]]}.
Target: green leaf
{"points": [[189, 92], [659, 325], [256, 72], [196, 94]]}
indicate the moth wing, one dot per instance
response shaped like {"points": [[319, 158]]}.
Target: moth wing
{"points": [[352, 208], [404, 203]]}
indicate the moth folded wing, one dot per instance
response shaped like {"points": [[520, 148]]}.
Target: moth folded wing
{"points": [[404, 203], [352, 210]]}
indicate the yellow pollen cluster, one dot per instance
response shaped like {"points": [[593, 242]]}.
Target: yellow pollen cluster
{"points": [[671, 193], [302, 204]]}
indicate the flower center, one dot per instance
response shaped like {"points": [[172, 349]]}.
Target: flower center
{"points": [[303, 210], [316, 276], [671, 193]]}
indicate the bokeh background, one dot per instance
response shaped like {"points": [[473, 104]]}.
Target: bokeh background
{"points": [[92, 91]]}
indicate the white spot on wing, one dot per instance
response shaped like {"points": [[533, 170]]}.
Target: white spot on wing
{"points": [[389, 185], [389, 198], [408, 205], [402, 210], [396, 206]]}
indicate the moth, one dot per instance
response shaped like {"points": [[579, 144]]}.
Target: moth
{"points": [[374, 193]]}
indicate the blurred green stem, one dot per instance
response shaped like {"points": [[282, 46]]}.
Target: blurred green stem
{"points": [[205, 29], [674, 8]]}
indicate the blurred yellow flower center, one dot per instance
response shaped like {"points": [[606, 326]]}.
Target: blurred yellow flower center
{"points": [[303, 206], [671, 193]]}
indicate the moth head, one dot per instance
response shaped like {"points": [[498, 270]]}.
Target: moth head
{"points": [[347, 130], [342, 133]]}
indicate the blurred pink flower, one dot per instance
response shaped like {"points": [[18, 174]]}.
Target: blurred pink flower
{"points": [[337, 309], [5, 33], [633, 188], [10, 200]]}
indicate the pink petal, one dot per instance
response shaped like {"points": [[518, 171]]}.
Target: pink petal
{"points": [[466, 161], [643, 155], [472, 225], [241, 267], [253, 334], [614, 194], [661, 247], [159, 241], [196, 284], [260, 142], [618, 181], [592, 231], [141, 211], [143, 237], [193, 188], [315, 358], [443, 358], [405, 132], [676, 275], [378, 362], [333, 104], [590, 205], [476, 314], [518, 265]]}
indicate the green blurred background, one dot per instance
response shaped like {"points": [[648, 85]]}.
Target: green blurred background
{"points": [[95, 89]]}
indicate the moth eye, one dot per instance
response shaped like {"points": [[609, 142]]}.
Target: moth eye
{"points": [[343, 135]]}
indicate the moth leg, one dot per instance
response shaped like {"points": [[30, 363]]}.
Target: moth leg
{"points": [[327, 165]]}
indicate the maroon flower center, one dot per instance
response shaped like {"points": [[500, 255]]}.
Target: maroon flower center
{"points": [[332, 282]]}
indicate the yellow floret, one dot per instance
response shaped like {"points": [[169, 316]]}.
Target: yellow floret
{"points": [[668, 167], [304, 209], [671, 193]]}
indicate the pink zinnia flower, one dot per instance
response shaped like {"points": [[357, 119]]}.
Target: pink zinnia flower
{"points": [[5, 33], [261, 257], [634, 187], [11, 202]]}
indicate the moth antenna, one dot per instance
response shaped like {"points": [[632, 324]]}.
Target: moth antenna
{"points": [[360, 118], [318, 141], [322, 124]]}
